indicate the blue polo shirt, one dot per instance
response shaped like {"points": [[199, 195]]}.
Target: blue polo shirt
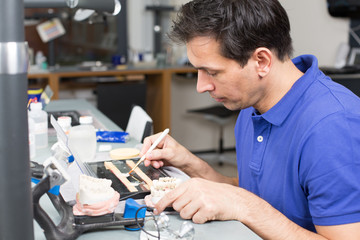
{"points": [[303, 155]]}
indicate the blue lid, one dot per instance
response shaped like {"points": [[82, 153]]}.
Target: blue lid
{"points": [[70, 158]]}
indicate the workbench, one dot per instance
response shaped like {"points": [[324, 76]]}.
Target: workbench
{"points": [[211, 230], [158, 86]]}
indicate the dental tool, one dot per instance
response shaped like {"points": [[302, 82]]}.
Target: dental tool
{"points": [[157, 141]]}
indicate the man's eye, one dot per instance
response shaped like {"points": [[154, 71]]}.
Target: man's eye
{"points": [[211, 74]]}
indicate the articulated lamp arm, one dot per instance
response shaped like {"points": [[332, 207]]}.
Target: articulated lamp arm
{"points": [[109, 6]]}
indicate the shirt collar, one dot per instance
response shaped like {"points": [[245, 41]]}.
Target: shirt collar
{"points": [[308, 64]]}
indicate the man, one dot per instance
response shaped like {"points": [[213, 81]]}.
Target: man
{"points": [[297, 140]]}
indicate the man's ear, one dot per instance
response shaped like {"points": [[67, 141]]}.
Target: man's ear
{"points": [[264, 58]]}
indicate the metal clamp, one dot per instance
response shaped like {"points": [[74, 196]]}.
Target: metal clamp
{"points": [[55, 171], [72, 3], [14, 58]]}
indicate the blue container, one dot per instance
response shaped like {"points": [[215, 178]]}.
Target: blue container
{"points": [[118, 60], [34, 94]]}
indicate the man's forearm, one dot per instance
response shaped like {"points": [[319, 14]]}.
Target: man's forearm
{"points": [[268, 222], [201, 169]]}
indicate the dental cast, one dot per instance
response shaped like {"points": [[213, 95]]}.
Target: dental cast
{"points": [[95, 197], [94, 190], [162, 186]]}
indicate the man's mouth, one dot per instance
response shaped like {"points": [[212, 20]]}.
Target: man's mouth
{"points": [[218, 99]]}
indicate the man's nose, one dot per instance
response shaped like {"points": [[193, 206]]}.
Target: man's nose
{"points": [[203, 83]]}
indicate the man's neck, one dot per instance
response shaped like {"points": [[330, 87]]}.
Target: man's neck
{"points": [[282, 77]]}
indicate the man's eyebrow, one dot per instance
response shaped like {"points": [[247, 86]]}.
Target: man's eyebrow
{"points": [[205, 68]]}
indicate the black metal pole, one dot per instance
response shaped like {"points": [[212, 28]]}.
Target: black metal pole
{"points": [[157, 33], [121, 27], [45, 4], [51, 60], [16, 219]]}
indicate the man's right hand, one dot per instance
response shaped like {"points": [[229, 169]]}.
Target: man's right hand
{"points": [[168, 152]]}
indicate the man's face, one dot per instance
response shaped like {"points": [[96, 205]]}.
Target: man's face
{"points": [[226, 81]]}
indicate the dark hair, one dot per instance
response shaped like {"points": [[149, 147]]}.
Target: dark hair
{"points": [[240, 26]]}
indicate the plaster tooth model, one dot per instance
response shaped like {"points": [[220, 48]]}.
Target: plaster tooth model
{"points": [[94, 190], [95, 197], [162, 186]]}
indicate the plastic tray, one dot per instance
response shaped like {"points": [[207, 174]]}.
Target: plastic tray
{"points": [[101, 172]]}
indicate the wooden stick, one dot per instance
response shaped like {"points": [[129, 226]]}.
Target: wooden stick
{"points": [[110, 166], [140, 173]]}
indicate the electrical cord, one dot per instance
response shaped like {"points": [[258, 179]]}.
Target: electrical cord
{"points": [[142, 228], [129, 196]]}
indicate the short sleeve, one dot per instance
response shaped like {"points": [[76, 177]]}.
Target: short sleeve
{"points": [[329, 170]]}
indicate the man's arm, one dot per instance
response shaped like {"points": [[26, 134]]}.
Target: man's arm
{"points": [[202, 201], [201, 169], [269, 223], [345, 231], [170, 152]]}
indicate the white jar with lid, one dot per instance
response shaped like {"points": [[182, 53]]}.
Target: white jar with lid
{"points": [[82, 142], [86, 120], [41, 124], [82, 139]]}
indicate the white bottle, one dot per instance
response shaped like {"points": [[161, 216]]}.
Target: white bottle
{"points": [[65, 123], [41, 124], [32, 144], [39, 59]]}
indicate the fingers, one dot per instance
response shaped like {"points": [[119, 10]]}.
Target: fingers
{"points": [[148, 141], [155, 164], [194, 210], [188, 210], [171, 197], [150, 160], [194, 199], [199, 217], [180, 204], [168, 152], [187, 206], [157, 156]]}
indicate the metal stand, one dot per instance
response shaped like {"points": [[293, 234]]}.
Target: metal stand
{"points": [[15, 188]]}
